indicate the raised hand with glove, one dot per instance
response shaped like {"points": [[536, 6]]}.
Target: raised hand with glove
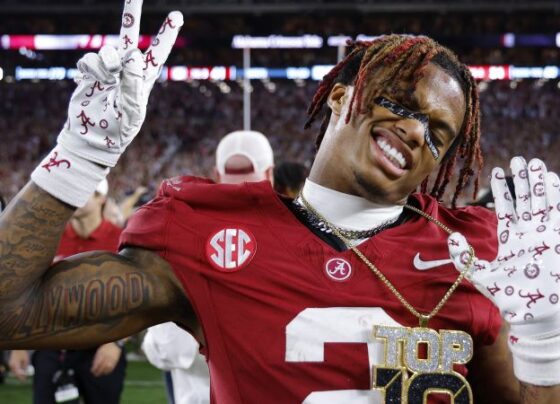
{"points": [[524, 279], [106, 110]]}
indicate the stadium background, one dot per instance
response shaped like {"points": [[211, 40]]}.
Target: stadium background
{"points": [[512, 46]]}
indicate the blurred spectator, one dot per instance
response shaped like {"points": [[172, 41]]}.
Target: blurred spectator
{"points": [[289, 177], [112, 212], [132, 201], [175, 351], [244, 156]]}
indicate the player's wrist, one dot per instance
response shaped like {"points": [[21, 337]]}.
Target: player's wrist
{"points": [[539, 328], [535, 348], [536, 360], [68, 177]]}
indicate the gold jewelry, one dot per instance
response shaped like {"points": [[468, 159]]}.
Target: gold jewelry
{"points": [[422, 318]]}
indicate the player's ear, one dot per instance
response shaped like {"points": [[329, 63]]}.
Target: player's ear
{"points": [[337, 97]]}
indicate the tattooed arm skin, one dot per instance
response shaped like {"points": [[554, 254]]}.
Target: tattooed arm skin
{"points": [[83, 301]]}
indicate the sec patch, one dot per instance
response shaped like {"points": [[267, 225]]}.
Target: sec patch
{"points": [[231, 249]]}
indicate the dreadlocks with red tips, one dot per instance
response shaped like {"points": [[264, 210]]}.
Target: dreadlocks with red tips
{"points": [[393, 65]]}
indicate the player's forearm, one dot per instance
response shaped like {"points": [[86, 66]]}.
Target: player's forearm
{"points": [[530, 394], [30, 230]]}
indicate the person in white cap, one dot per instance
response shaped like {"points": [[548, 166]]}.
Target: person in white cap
{"points": [[241, 156], [97, 375], [244, 156]]}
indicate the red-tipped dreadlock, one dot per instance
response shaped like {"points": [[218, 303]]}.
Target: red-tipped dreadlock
{"points": [[383, 66]]}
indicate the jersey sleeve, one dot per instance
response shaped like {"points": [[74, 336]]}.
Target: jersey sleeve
{"points": [[147, 227]]}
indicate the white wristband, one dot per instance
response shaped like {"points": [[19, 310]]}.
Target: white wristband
{"points": [[536, 361], [68, 177]]}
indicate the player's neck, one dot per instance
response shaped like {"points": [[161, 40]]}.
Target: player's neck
{"points": [[348, 211], [85, 225]]}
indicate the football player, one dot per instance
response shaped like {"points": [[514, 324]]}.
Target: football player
{"points": [[353, 292]]}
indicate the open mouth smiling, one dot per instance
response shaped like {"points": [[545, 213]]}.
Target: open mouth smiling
{"points": [[392, 148]]}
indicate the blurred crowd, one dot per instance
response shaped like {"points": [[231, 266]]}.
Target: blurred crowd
{"points": [[326, 22], [186, 120], [208, 37]]}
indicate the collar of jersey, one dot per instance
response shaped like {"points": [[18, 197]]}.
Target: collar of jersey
{"points": [[348, 211]]}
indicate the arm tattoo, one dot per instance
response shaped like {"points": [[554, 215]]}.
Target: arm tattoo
{"points": [[30, 230], [93, 297], [62, 308], [100, 289], [44, 305]]}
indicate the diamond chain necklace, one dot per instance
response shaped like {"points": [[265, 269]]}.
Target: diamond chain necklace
{"points": [[422, 318], [348, 234]]}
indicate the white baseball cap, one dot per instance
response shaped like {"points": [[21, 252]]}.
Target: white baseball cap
{"points": [[251, 144], [102, 188]]}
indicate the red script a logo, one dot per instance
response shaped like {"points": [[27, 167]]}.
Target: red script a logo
{"points": [[338, 269]]}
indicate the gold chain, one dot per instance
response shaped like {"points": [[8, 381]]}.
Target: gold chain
{"points": [[422, 318]]}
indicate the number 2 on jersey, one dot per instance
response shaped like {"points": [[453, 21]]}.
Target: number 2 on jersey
{"points": [[307, 333]]}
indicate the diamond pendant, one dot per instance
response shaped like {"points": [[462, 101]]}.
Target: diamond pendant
{"points": [[408, 378]]}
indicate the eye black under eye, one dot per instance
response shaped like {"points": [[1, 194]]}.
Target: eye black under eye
{"points": [[404, 112], [436, 139]]}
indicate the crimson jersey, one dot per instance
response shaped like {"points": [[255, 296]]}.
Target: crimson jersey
{"points": [[287, 318], [105, 237]]}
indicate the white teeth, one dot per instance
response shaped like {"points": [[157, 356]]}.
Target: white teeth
{"points": [[391, 153]]}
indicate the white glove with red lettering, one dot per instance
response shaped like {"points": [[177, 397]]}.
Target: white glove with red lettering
{"points": [[106, 110], [524, 280]]}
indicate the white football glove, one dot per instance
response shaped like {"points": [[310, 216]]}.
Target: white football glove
{"points": [[107, 108], [524, 280]]}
